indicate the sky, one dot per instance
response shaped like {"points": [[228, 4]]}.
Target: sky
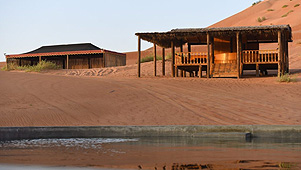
{"points": [[26, 25]]}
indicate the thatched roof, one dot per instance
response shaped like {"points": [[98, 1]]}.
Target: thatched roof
{"points": [[199, 35]]}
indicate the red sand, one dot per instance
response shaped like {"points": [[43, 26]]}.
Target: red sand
{"points": [[35, 99]]}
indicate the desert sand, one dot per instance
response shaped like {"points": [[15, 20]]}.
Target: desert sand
{"points": [[114, 96]]}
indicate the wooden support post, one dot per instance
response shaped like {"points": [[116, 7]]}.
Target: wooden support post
{"points": [[40, 59], [279, 52], [67, 62], [189, 51], [208, 55], [104, 59], [139, 56], [238, 42], [181, 73], [6, 64], [200, 71], [287, 57], [163, 61], [176, 71], [212, 50], [155, 60], [283, 64], [89, 62], [172, 59], [184, 72], [257, 70], [285, 54]]}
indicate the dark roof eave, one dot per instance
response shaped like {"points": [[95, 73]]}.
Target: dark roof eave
{"points": [[176, 34]]}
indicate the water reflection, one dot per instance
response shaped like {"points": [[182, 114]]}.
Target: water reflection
{"points": [[174, 153]]}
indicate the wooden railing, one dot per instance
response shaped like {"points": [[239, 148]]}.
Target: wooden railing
{"points": [[259, 56], [191, 58]]}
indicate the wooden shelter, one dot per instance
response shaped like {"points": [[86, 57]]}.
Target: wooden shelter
{"points": [[229, 50], [70, 56]]}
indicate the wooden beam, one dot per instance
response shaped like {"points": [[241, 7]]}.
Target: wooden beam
{"points": [[181, 50], [287, 57], [257, 70], [238, 42], [182, 73], [172, 59], [189, 51], [155, 60], [6, 62], [139, 57], [200, 71], [163, 61], [67, 62], [104, 59], [279, 52], [212, 49], [89, 62], [208, 55]]}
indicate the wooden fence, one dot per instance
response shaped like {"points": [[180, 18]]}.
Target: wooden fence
{"points": [[259, 56], [191, 58]]}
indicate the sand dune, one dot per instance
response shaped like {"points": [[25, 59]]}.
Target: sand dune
{"points": [[51, 99]]}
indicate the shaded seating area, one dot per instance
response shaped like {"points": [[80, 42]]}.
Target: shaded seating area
{"points": [[226, 52]]}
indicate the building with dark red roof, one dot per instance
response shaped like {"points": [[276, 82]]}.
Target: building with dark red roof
{"points": [[70, 56]]}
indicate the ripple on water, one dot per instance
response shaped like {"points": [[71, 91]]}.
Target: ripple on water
{"points": [[86, 143]]}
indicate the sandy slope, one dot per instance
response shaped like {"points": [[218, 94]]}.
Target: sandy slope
{"points": [[249, 16], [33, 99], [2, 64]]}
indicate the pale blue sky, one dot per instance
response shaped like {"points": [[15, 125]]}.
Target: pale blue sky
{"points": [[111, 24]]}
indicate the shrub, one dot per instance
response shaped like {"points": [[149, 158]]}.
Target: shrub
{"points": [[150, 58], [9, 67], [271, 10], [297, 5], [286, 78], [257, 2], [285, 15], [261, 19], [284, 6], [43, 65]]}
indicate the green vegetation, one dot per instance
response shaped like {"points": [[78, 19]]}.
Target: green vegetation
{"points": [[257, 2], [286, 165], [287, 78], [271, 10], [149, 58], [284, 6], [297, 5], [285, 15], [261, 19], [43, 65]]}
